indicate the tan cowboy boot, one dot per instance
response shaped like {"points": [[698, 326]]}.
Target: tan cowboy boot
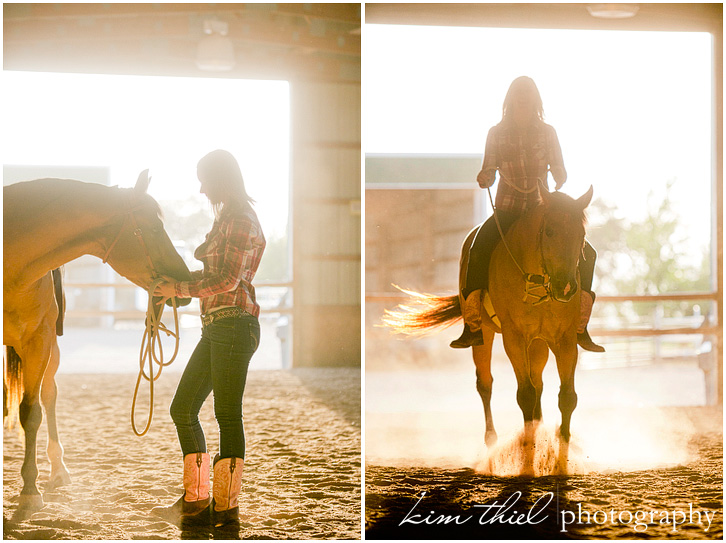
{"points": [[194, 503], [471, 311], [583, 338], [227, 483]]}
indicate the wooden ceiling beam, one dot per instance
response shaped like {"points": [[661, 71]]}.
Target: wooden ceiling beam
{"points": [[689, 17], [93, 32], [349, 13]]}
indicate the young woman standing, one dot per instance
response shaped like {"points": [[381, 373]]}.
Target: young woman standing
{"points": [[231, 255]]}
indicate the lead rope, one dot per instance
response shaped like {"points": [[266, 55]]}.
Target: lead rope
{"points": [[150, 344], [501, 233]]}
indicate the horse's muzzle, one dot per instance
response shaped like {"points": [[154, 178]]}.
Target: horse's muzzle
{"points": [[563, 291]]}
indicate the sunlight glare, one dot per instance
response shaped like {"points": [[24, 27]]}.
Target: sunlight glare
{"points": [[166, 124]]}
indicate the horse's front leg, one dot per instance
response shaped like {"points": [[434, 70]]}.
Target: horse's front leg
{"points": [[538, 354], [484, 380], [59, 475], [566, 356], [517, 350]]}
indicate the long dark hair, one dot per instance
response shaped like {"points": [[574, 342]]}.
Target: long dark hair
{"points": [[523, 81], [221, 169]]}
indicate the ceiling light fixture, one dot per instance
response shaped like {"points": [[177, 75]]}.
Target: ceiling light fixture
{"points": [[613, 11], [215, 52]]}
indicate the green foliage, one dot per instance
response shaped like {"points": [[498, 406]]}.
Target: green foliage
{"points": [[188, 222], [647, 256]]}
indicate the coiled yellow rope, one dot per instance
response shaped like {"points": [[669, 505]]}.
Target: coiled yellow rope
{"points": [[150, 345]]}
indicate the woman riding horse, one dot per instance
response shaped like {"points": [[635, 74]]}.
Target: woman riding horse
{"points": [[520, 147]]}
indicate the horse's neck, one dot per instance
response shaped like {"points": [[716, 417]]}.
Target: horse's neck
{"points": [[54, 258], [525, 241], [67, 228]]}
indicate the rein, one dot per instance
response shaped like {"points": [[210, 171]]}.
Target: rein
{"points": [[532, 282], [151, 340]]}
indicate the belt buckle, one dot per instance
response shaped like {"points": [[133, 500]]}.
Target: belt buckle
{"points": [[207, 320]]}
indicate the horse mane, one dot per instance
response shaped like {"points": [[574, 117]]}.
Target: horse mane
{"points": [[47, 191]]}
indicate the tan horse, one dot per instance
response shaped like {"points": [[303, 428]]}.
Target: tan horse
{"points": [[534, 291], [47, 223]]}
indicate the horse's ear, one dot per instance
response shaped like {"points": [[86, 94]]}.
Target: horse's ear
{"points": [[584, 200], [544, 194], [142, 183]]}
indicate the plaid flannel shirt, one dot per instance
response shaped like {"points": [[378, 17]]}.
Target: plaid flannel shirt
{"points": [[231, 254], [522, 157]]}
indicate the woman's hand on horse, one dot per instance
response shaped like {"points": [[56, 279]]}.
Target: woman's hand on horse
{"points": [[166, 289]]}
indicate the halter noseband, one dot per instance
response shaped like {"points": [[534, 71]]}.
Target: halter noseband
{"points": [[138, 233]]}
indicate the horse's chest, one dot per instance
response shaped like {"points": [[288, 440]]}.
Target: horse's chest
{"points": [[549, 320]]}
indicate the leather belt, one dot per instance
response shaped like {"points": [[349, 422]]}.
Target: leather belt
{"points": [[224, 313]]}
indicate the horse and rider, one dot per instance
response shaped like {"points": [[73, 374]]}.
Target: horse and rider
{"points": [[526, 272]]}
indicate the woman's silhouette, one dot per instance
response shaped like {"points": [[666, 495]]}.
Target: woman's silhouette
{"points": [[522, 148]]}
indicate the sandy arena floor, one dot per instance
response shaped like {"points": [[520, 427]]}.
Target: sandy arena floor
{"points": [[302, 472], [635, 471]]}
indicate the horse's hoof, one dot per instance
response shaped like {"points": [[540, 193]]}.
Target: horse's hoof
{"points": [[31, 502], [62, 478], [490, 438]]}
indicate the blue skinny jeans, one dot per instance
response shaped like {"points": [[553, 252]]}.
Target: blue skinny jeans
{"points": [[219, 365]]}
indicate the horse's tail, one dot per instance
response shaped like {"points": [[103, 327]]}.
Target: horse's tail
{"points": [[12, 386], [427, 314]]}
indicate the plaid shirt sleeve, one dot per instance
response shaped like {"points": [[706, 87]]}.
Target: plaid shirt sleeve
{"points": [[491, 161], [554, 156], [227, 270]]}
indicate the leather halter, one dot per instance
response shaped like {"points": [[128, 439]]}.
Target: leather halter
{"points": [[138, 233]]}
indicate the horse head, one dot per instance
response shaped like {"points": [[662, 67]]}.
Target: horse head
{"points": [[142, 250], [562, 238]]}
